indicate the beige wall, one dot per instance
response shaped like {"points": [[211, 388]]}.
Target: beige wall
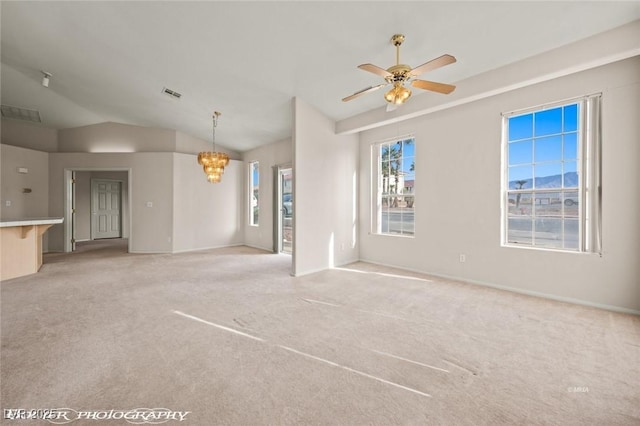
{"points": [[25, 145], [206, 215], [458, 173], [116, 137], [83, 206], [151, 181], [325, 192], [33, 204], [268, 156], [27, 135]]}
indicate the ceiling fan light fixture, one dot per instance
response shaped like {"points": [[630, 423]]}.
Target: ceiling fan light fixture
{"points": [[398, 95], [399, 74]]}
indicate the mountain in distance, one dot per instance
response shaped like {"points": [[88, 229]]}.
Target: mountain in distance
{"points": [[555, 181]]}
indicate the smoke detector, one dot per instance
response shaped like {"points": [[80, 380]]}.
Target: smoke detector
{"points": [[45, 78]]}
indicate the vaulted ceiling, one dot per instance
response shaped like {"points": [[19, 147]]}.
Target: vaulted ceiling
{"points": [[111, 60]]}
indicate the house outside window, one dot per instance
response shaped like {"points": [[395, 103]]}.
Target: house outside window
{"points": [[254, 187], [394, 187], [551, 176]]}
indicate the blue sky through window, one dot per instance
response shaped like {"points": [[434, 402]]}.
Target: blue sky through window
{"points": [[543, 147], [256, 174]]}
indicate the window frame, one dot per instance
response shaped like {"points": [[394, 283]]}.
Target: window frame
{"points": [[251, 208], [376, 191], [588, 167]]}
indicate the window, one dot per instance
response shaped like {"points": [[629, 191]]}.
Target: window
{"points": [[551, 168], [254, 186], [394, 185]]}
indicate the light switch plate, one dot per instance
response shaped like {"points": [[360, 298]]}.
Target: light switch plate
{"points": [[149, 204]]}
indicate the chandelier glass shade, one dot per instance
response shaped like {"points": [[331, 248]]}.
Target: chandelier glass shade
{"points": [[398, 95], [212, 162]]}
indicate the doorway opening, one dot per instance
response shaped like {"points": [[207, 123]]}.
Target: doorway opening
{"points": [[97, 207], [284, 211]]}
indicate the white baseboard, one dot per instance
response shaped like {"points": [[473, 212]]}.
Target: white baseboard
{"points": [[313, 271], [270, 249], [328, 267], [517, 290], [206, 248]]}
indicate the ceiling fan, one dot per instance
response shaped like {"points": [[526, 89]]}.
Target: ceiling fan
{"points": [[399, 74]]}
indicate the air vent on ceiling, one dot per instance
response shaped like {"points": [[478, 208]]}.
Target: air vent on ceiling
{"points": [[171, 93], [18, 113]]}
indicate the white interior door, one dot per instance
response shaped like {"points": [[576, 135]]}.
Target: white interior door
{"points": [[105, 209]]}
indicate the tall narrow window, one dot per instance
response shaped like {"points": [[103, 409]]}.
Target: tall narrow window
{"points": [[394, 168], [254, 186], [551, 176]]}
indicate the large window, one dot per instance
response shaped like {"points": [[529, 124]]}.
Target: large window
{"points": [[394, 203], [254, 186], [551, 170]]}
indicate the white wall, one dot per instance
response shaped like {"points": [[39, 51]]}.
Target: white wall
{"points": [[206, 214], [268, 156], [151, 180], [33, 204], [458, 196], [325, 192]]}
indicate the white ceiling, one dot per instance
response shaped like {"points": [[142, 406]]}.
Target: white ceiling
{"points": [[111, 60]]}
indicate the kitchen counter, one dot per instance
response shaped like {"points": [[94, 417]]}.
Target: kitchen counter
{"points": [[21, 245]]}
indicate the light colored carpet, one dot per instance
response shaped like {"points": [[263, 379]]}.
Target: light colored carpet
{"points": [[230, 337]]}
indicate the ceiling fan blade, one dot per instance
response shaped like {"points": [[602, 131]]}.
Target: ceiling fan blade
{"points": [[376, 70], [433, 86], [363, 91], [433, 64]]}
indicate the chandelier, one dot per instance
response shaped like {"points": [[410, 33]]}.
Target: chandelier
{"points": [[213, 162]]}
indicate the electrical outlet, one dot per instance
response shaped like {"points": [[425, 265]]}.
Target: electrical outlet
{"points": [[149, 204], [463, 258], [7, 203]]}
